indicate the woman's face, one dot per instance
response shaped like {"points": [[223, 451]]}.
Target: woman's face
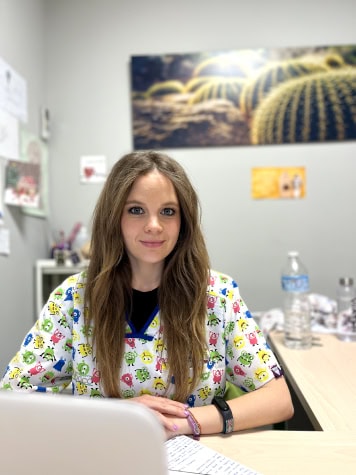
{"points": [[151, 220]]}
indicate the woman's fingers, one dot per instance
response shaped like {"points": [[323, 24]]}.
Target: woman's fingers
{"points": [[163, 405], [171, 414], [169, 425]]}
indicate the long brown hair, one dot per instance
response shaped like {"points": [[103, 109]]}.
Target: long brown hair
{"points": [[183, 286]]}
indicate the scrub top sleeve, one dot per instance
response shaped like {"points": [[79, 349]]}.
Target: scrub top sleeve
{"points": [[44, 360], [250, 361]]}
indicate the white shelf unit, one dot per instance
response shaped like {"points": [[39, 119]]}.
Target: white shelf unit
{"points": [[49, 275]]}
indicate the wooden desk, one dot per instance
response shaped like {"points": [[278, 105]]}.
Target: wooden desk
{"points": [[324, 380], [290, 452]]}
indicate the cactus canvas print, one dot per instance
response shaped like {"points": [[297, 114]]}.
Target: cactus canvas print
{"points": [[244, 97]]}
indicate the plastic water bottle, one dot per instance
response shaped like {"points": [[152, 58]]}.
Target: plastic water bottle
{"points": [[295, 285], [346, 309]]}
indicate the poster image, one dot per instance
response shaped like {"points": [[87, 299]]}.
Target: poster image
{"points": [[278, 183], [33, 150], [244, 97], [93, 169], [22, 184]]}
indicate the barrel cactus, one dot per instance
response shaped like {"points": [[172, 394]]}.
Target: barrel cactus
{"points": [[238, 63], [163, 88], [219, 88], [318, 107], [195, 83], [274, 74]]}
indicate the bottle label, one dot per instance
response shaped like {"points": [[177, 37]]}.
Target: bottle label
{"points": [[346, 321], [295, 283]]}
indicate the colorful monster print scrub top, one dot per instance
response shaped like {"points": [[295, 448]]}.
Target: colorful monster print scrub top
{"points": [[57, 351]]}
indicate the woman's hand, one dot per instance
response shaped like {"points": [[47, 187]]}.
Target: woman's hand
{"points": [[170, 413]]}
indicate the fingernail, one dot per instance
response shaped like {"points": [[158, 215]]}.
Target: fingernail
{"points": [[175, 427], [186, 412]]}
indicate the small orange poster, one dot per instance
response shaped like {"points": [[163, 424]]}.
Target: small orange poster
{"points": [[278, 183]]}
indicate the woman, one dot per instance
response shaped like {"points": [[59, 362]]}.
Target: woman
{"points": [[149, 320]]}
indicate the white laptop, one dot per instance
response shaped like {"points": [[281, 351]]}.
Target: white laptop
{"points": [[60, 434]]}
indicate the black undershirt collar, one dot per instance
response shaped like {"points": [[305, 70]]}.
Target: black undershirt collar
{"points": [[143, 306]]}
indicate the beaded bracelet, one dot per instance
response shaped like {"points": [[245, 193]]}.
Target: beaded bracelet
{"points": [[194, 424]]}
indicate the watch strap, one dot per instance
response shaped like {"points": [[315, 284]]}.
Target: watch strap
{"points": [[226, 413]]}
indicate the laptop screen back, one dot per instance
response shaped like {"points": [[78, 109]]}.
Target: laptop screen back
{"points": [[59, 434]]}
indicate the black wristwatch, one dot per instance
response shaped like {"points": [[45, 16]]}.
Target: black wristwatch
{"points": [[224, 409]]}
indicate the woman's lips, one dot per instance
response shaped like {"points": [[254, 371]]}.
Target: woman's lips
{"points": [[152, 243]]}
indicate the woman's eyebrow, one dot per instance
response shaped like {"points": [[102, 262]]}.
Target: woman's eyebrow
{"points": [[138, 202]]}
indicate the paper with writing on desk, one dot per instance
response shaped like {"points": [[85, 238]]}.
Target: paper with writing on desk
{"points": [[186, 455]]}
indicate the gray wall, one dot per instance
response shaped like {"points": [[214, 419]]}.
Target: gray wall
{"points": [[88, 45], [22, 46], [88, 77]]}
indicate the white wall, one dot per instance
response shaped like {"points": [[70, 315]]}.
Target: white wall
{"points": [[81, 64]]}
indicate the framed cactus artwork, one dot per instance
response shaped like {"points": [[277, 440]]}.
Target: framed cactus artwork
{"points": [[244, 97]]}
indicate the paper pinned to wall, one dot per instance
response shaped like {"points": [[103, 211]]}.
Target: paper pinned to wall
{"points": [[13, 92], [1, 194], [9, 136], [4, 241], [92, 169]]}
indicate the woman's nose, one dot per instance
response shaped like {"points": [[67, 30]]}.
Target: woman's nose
{"points": [[153, 224]]}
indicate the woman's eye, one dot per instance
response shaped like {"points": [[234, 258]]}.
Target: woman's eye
{"points": [[135, 210], [168, 212]]}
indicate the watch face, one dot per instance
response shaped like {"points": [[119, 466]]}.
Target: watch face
{"points": [[221, 403], [225, 411]]}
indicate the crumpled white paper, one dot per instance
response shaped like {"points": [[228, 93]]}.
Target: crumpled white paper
{"points": [[322, 313]]}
